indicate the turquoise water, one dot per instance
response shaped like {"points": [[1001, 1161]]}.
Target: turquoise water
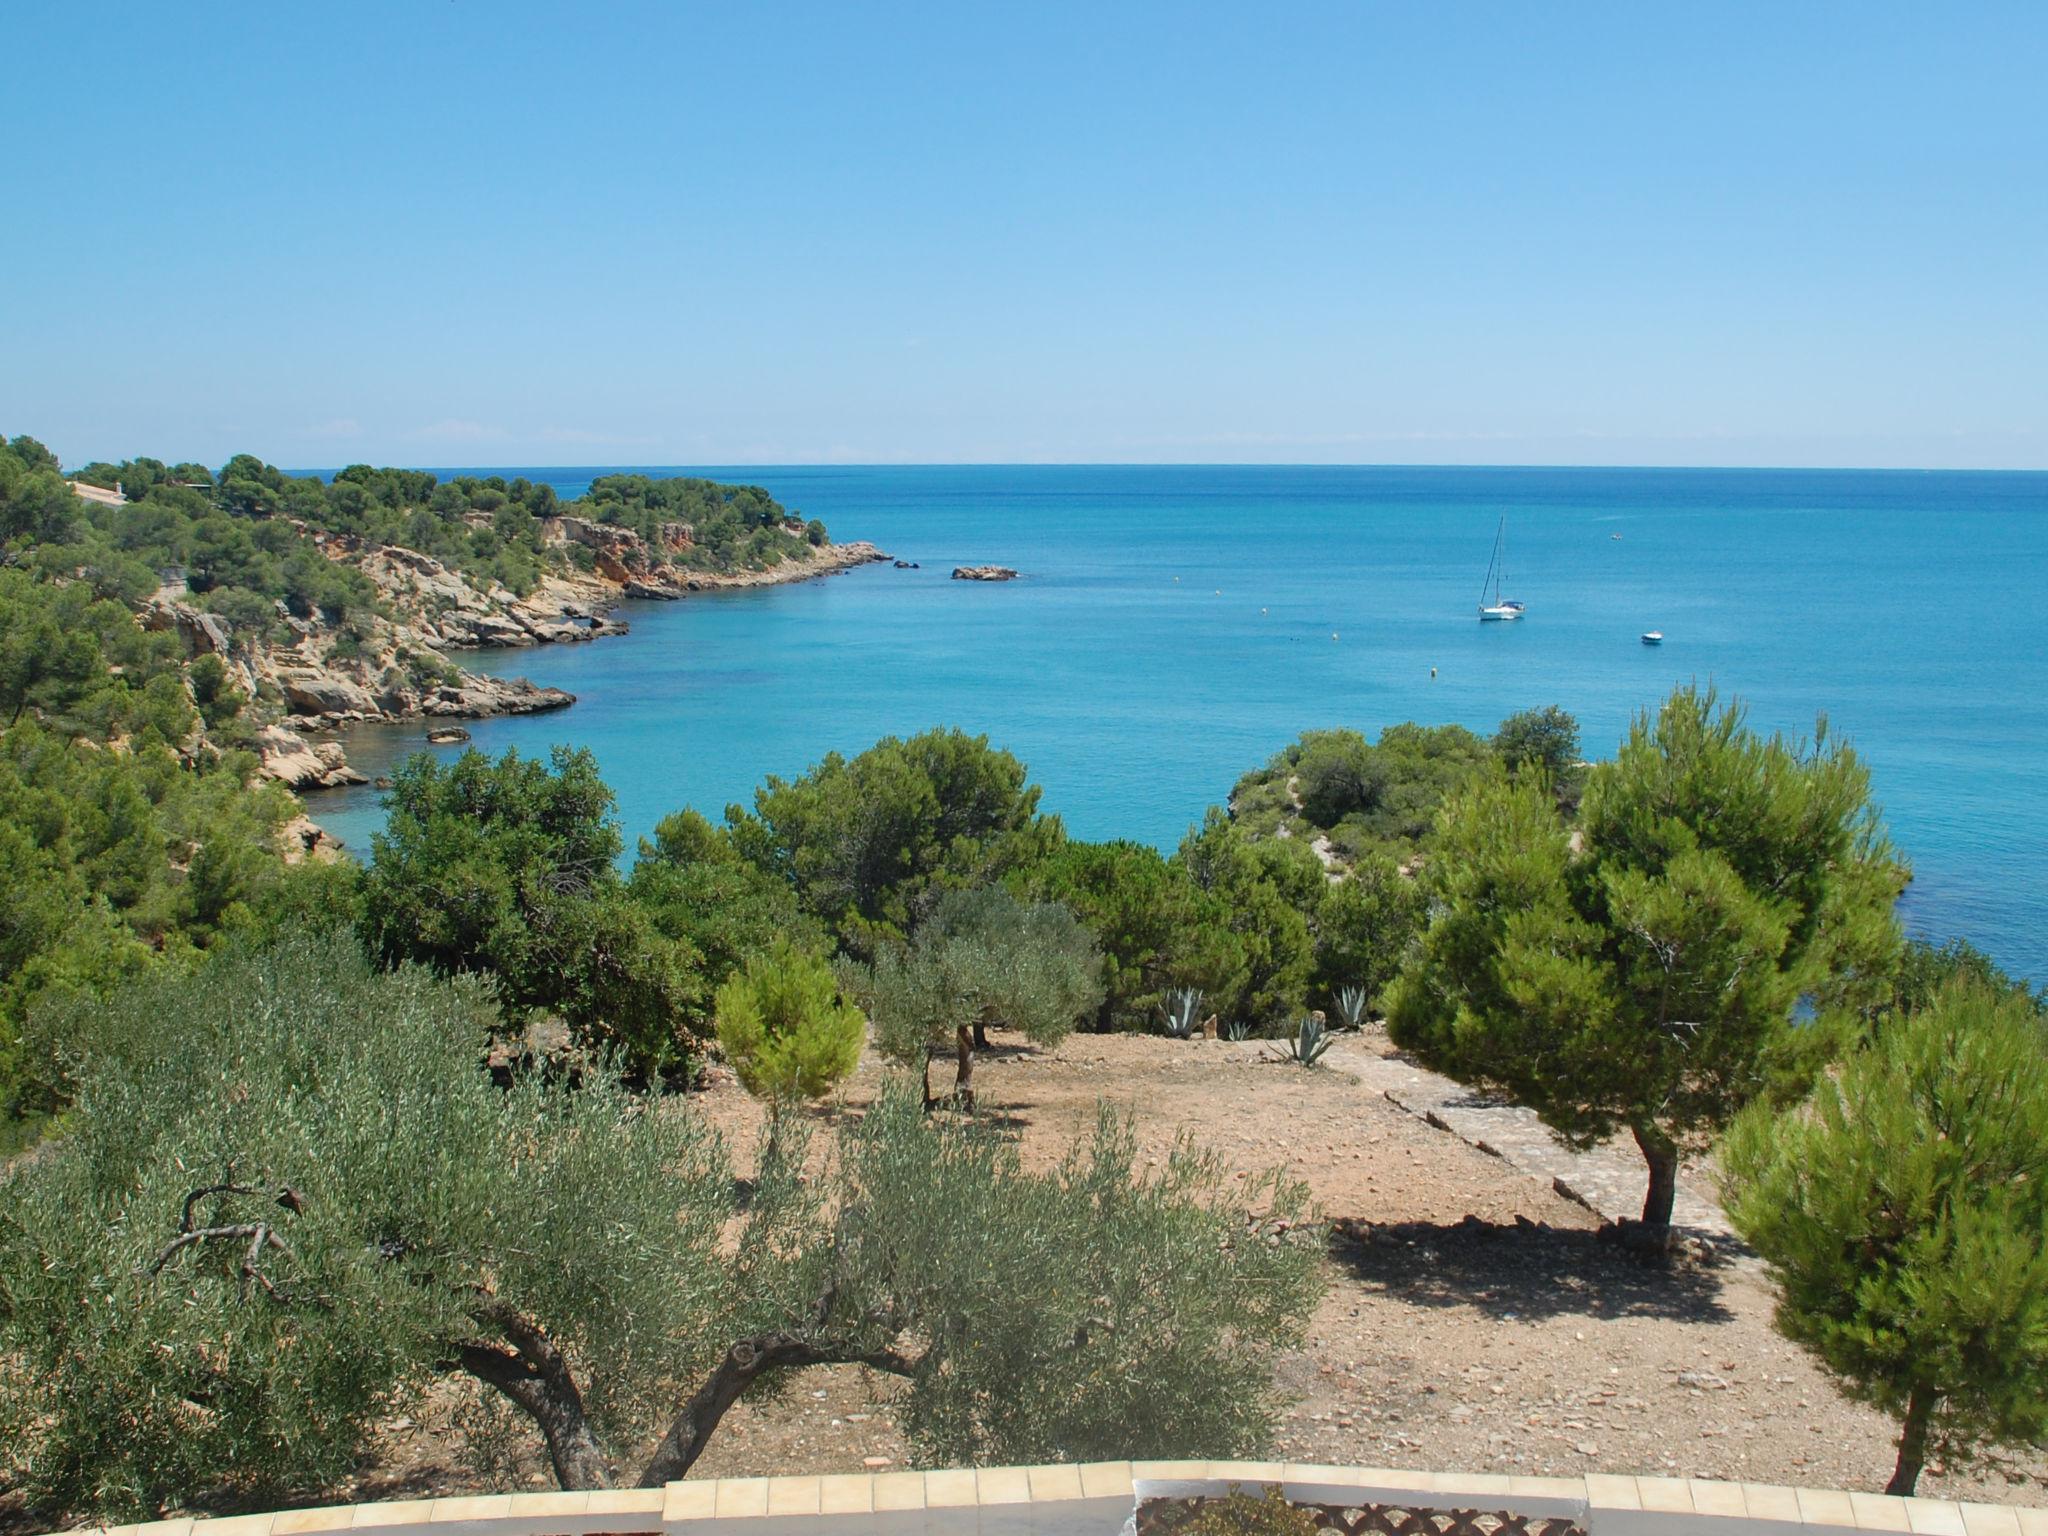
{"points": [[1175, 626]]}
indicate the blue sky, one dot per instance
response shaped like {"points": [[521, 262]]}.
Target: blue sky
{"points": [[456, 232]]}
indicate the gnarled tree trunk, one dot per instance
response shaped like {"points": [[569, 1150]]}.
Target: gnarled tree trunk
{"points": [[737, 1370], [534, 1377]]}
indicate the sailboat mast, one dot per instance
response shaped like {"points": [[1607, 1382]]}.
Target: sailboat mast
{"points": [[1496, 567]]}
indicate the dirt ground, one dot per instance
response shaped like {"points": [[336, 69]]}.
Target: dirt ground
{"points": [[1474, 1318]]}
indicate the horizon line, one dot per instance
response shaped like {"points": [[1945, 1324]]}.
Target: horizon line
{"points": [[786, 464]]}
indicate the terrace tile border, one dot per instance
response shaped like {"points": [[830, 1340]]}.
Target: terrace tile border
{"points": [[1097, 1498]]}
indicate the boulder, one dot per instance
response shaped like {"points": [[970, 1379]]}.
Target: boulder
{"points": [[559, 632], [202, 633], [983, 573], [322, 693], [304, 839], [475, 697], [299, 764]]}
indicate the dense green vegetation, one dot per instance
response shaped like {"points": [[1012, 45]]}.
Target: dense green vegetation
{"points": [[130, 820], [282, 1195], [287, 1201], [731, 526], [127, 836], [250, 537], [1364, 796]]}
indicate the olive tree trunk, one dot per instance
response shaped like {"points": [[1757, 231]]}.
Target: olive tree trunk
{"points": [[532, 1375], [738, 1369], [963, 1077]]}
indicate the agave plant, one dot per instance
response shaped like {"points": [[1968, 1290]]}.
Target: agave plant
{"points": [[1351, 1008], [1306, 1045], [1182, 1010], [1237, 1029]]}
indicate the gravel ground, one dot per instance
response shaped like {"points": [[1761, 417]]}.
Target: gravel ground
{"points": [[1475, 1319]]}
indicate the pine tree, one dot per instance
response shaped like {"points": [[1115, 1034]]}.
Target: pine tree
{"points": [[1904, 1214], [786, 1030], [1643, 972]]}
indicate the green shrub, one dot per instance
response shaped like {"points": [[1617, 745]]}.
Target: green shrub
{"points": [[785, 1029]]}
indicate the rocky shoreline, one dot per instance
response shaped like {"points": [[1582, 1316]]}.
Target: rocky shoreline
{"points": [[395, 666]]}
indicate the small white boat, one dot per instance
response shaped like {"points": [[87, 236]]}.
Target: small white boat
{"points": [[1496, 572], [1653, 637]]}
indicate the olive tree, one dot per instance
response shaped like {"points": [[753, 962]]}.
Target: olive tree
{"points": [[1903, 1211], [288, 1200], [984, 959], [1643, 974], [288, 1197]]}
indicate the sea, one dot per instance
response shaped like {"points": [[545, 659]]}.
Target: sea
{"points": [[1174, 627]]}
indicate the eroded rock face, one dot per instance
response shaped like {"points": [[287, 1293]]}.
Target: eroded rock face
{"points": [[300, 764], [479, 629], [475, 697], [324, 693], [202, 633], [983, 573]]}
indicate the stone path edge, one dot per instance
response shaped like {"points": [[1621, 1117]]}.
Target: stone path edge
{"points": [[1068, 1499]]}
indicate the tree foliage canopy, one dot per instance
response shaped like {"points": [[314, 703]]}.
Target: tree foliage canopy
{"points": [[982, 960], [507, 867], [578, 1252], [1649, 983], [870, 843], [785, 1028], [420, 1210], [1903, 1210]]}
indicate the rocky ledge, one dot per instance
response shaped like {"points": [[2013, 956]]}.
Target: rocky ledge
{"points": [[983, 573], [311, 675], [669, 582], [300, 764]]}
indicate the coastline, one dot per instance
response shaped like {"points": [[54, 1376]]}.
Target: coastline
{"points": [[445, 614]]}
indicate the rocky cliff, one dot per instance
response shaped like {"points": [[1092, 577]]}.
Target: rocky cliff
{"points": [[310, 674]]}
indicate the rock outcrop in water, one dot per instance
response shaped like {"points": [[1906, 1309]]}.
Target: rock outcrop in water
{"points": [[983, 573]]}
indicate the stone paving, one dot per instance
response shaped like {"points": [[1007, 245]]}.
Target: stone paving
{"points": [[1608, 1180]]}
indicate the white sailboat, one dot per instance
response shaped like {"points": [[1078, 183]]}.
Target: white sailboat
{"points": [[1496, 572]]}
